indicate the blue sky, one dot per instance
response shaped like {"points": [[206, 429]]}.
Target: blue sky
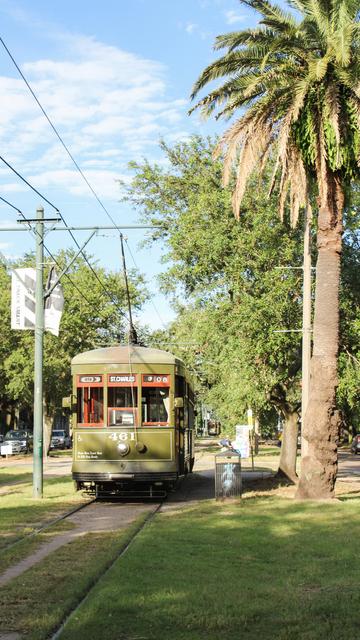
{"points": [[113, 77]]}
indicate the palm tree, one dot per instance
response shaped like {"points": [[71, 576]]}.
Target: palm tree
{"points": [[296, 80]]}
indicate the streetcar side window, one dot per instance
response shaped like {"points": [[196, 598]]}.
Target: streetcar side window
{"points": [[90, 405], [122, 406], [155, 403]]}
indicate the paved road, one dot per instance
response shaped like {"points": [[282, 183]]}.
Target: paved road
{"points": [[349, 463]]}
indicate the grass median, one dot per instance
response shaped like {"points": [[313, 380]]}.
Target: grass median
{"points": [[21, 514], [264, 567], [35, 604]]}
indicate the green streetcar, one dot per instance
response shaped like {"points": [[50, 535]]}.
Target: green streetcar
{"points": [[132, 421]]}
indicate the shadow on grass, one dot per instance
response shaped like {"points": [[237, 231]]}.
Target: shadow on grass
{"points": [[260, 569], [11, 478], [20, 512]]}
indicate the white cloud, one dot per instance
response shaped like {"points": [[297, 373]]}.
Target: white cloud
{"points": [[106, 103], [104, 182], [232, 17], [190, 27]]}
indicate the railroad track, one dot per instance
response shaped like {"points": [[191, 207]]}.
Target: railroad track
{"points": [[122, 552], [46, 526]]}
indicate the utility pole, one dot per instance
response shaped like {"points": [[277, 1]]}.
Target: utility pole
{"points": [[40, 295], [306, 336], [38, 370]]}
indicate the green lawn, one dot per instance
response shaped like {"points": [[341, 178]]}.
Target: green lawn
{"points": [[36, 603], [265, 568], [20, 514]]}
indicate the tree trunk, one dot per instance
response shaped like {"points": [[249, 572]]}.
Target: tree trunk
{"points": [[287, 463], [48, 424], [321, 423]]}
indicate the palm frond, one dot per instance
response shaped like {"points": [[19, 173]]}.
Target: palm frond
{"points": [[297, 76], [272, 14], [236, 39], [332, 100]]}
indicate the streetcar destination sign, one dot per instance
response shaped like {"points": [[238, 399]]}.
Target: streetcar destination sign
{"points": [[90, 379], [122, 379]]}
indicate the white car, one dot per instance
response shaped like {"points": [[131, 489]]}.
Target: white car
{"points": [[15, 442], [60, 440]]}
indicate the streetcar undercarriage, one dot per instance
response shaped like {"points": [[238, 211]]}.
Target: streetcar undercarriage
{"points": [[126, 487]]}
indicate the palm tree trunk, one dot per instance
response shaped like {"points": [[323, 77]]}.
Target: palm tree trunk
{"points": [[321, 424]]}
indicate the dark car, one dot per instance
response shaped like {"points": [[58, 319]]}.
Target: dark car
{"points": [[355, 446], [60, 440], [19, 440]]}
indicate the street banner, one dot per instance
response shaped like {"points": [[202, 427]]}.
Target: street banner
{"points": [[54, 304], [23, 298], [23, 283]]}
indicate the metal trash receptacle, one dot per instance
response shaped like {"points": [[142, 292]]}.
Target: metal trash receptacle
{"points": [[228, 482]]}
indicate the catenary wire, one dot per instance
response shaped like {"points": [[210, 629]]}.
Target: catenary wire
{"points": [[57, 133], [151, 298], [34, 232], [76, 165], [28, 184], [69, 231]]}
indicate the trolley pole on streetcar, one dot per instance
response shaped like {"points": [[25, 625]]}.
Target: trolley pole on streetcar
{"points": [[38, 222], [38, 368]]}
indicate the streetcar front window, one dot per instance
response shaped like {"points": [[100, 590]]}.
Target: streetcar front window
{"points": [[90, 405], [155, 405], [122, 406]]}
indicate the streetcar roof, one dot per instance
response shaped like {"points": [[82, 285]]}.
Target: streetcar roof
{"points": [[125, 354]]}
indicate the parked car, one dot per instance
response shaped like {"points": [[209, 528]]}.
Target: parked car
{"points": [[355, 445], [19, 441], [60, 440]]}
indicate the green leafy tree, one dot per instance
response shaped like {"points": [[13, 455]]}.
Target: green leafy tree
{"points": [[237, 298], [349, 359], [297, 77], [95, 314]]}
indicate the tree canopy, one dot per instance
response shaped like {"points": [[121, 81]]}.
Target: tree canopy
{"points": [[95, 314]]}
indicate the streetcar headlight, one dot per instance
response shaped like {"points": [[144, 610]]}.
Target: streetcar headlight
{"points": [[123, 448], [140, 447]]}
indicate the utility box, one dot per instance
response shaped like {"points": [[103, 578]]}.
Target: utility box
{"points": [[228, 483]]}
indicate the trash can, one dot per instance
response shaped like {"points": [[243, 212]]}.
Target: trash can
{"points": [[227, 475]]}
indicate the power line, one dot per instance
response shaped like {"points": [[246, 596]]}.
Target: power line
{"points": [[67, 227], [151, 297], [77, 167], [10, 205], [28, 184], [56, 132], [33, 231]]}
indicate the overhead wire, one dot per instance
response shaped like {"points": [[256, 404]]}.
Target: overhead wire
{"points": [[34, 232], [151, 299], [10, 205], [57, 133], [29, 184], [68, 230], [75, 164]]}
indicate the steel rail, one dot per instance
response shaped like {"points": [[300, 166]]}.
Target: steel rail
{"points": [[47, 526], [122, 552]]}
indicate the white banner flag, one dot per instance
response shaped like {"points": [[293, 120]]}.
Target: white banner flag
{"points": [[23, 298], [54, 304], [23, 301]]}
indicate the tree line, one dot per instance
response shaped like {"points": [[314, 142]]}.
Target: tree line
{"points": [[237, 289]]}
